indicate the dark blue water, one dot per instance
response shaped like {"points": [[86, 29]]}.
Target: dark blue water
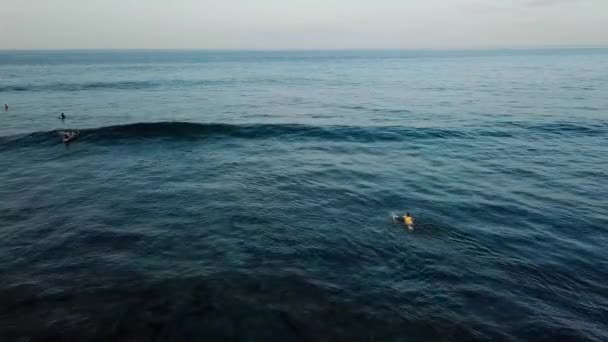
{"points": [[249, 196]]}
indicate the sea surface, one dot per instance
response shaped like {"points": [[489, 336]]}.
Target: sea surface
{"points": [[249, 196]]}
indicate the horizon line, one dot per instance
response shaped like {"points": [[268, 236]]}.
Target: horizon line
{"points": [[527, 47]]}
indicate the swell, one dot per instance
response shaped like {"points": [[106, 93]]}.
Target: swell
{"points": [[197, 131], [121, 85], [140, 85], [290, 132], [561, 127]]}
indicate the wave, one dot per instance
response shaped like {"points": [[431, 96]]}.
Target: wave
{"points": [[291, 132], [120, 85], [140, 85], [378, 110], [192, 131], [561, 127]]}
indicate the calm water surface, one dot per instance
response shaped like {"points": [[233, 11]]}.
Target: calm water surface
{"points": [[250, 195]]}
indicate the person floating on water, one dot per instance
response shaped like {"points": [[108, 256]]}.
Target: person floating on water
{"points": [[62, 117], [5, 107]]}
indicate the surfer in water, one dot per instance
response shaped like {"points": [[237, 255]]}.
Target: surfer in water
{"points": [[5, 107], [69, 136], [409, 221], [62, 116]]}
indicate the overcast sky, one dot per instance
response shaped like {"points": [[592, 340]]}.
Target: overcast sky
{"points": [[301, 24]]}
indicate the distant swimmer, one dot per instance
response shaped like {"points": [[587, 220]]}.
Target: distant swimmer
{"points": [[62, 117], [5, 107]]}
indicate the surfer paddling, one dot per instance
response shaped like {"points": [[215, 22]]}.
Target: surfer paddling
{"points": [[69, 136], [407, 219]]}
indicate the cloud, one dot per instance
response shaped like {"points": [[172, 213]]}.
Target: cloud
{"points": [[521, 5], [543, 3], [488, 7]]}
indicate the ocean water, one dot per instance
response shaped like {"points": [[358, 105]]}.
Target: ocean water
{"points": [[249, 196]]}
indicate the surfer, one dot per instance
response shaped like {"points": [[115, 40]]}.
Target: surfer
{"points": [[62, 117], [69, 136], [409, 221], [5, 107]]}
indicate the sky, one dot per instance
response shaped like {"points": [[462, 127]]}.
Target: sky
{"points": [[301, 24]]}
